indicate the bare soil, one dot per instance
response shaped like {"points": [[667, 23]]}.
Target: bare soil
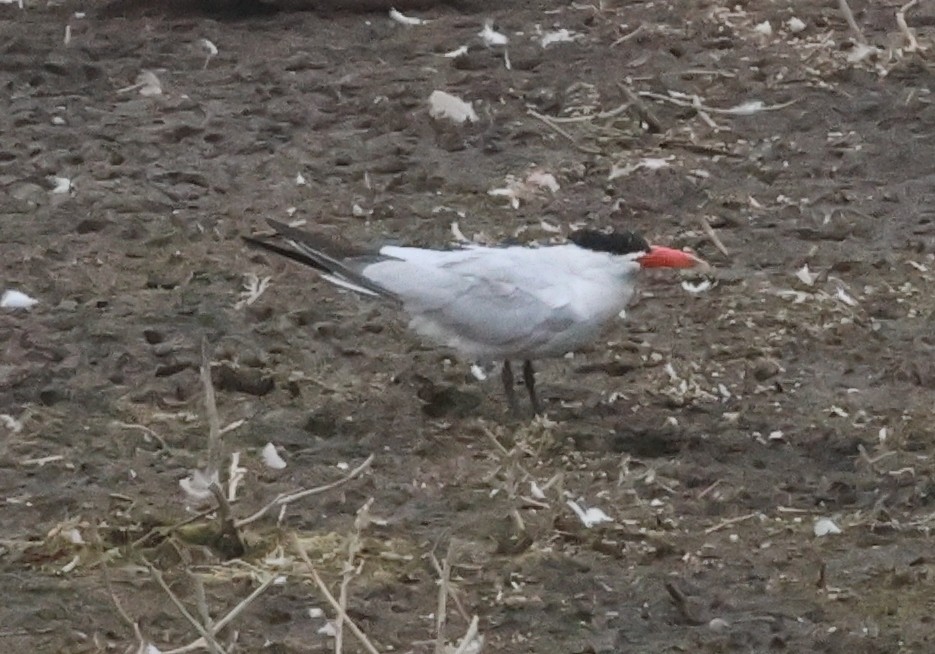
{"points": [[714, 428]]}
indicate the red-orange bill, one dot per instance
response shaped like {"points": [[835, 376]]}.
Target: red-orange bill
{"points": [[662, 257]]}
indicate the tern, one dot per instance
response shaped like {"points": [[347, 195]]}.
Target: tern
{"points": [[495, 303]]}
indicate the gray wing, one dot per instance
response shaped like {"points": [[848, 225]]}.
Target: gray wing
{"points": [[501, 308], [500, 314]]}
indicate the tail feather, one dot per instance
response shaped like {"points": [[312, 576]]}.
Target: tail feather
{"points": [[307, 249]]}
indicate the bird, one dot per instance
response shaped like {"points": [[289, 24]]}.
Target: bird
{"points": [[494, 303]]}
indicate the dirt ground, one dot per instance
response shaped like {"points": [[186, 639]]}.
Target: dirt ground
{"points": [[721, 424]]}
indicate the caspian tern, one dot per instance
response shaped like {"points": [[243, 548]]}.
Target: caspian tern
{"points": [[496, 303]]}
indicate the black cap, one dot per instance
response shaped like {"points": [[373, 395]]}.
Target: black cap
{"points": [[613, 242]]}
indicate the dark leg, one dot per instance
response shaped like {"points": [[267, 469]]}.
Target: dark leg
{"points": [[508, 387], [529, 378]]}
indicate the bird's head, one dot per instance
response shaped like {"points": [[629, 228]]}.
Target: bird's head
{"points": [[635, 248]]}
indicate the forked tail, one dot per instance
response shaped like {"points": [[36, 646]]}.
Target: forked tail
{"points": [[310, 250]]}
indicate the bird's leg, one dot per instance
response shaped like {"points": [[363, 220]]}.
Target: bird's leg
{"points": [[508, 387], [529, 378]]}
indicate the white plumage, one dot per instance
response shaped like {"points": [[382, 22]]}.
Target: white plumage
{"points": [[497, 303]]}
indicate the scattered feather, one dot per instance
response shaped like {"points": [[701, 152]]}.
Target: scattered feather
{"points": [[845, 297], [211, 51], [11, 423], [589, 517], [62, 185], [747, 108], [797, 297], [13, 299], [235, 474], [146, 83], [271, 457], [805, 275], [558, 36], [471, 643], [535, 491], [458, 234], [446, 105], [795, 25], [719, 624], [701, 287], [402, 19], [491, 37], [543, 180], [546, 226], [764, 28], [860, 52], [71, 565], [825, 526], [647, 163], [197, 486], [457, 52], [253, 288], [525, 189], [300, 179], [505, 192], [149, 84]]}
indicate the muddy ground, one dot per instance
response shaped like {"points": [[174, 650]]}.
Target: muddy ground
{"points": [[715, 425]]}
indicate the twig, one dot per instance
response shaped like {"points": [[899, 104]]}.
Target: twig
{"points": [[168, 530], [645, 114], [872, 461], [710, 488], [351, 569], [849, 17], [361, 636], [209, 642], [201, 602], [627, 37], [548, 121], [287, 498], [694, 102], [228, 527], [702, 112], [711, 234], [144, 429], [729, 522], [227, 619], [681, 603], [452, 591], [441, 611], [214, 421], [904, 28], [469, 637], [610, 113], [105, 573]]}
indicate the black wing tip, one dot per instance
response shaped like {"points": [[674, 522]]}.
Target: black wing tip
{"points": [[611, 242], [288, 253]]}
